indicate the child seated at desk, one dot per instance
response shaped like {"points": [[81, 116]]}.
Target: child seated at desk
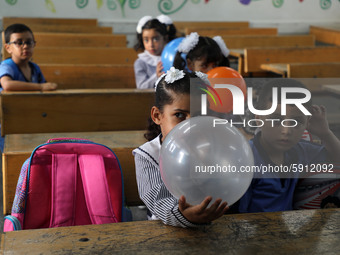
{"points": [[201, 53], [281, 145], [18, 73], [172, 106], [152, 36]]}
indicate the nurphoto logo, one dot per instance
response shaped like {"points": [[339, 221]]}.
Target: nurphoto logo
{"points": [[238, 105], [238, 100]]}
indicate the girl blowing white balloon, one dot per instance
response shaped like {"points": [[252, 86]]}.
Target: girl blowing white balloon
{"points": [[172, 105]]}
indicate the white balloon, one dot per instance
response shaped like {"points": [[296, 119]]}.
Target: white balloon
{"points": [[199, 159]]}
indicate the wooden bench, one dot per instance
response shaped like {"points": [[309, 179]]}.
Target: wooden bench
{"points": [[329, 35], [82, 55], [19, 147], [80, 76], [6, 21], [300, 232], [305, 70], [71, 29], [231, 31], [79, 40], [248, 41], [182, 25], [58, 25], [237, 44], [210, 24], [86, 110], [327, 71], [255, 57], [74, 40]]}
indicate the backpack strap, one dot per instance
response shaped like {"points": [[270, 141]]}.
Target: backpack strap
{"points": [[96, 190], [64, 176]]}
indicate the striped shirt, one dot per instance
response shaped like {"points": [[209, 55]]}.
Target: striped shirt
{"points": [[152, 190]]}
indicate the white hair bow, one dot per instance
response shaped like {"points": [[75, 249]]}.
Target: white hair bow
{"points": [[164, 19], [142, 22], [171, 76], [220, 42], [188, 43], [161, 18]]}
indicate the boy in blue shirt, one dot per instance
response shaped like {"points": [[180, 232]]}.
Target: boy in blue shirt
{"points": [[278, 145], [18, 73]]}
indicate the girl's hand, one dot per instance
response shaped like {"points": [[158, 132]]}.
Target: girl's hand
{"points": [[318, 124], [159, 69], [48, 86], [201, 213]]}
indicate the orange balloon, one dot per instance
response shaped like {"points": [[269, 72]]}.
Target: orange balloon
{"points": [[224, 75]]}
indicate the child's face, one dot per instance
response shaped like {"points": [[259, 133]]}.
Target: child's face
{"points": [[275, 138], [172, 114], [24, 52], [153, 41], [200, 65]]}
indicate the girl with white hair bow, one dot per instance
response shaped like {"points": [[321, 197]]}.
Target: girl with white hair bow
{"points": [[152, 35]]}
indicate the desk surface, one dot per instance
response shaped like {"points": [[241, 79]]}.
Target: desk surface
{"points": [[332, 88], [293, 232], [238, 53], [280, 69]]}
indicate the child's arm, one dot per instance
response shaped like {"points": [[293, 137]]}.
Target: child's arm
{"points": [[166, 207], [143, 81], [318, 126], [12, 85]]}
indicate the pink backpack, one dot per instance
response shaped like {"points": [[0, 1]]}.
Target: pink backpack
{"points": [[67, 182]]}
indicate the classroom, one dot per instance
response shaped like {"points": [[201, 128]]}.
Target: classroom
{"points": [[99, 79]]}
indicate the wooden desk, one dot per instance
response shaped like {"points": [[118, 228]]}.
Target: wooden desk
{"points": [[78, 110], [79, 76], [6, 21], [263, 41], [328, 34], [231, 31], [335, 89], [293, 232], [71, 29], [239, 54], [304, 70], [280, 69], [182, 25], [82, 55], [79, 40], [255, 57]]}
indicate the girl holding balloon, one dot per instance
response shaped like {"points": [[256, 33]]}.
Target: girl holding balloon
{"points": [[172, 106], [152, 36], [199, 53]]}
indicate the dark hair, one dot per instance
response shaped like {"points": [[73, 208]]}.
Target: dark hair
{"points": [[16, 28], [330, 200], [163, 96], [163, 29], [265, 93], [206, 48]]}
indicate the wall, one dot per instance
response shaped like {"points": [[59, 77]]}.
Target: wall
{"points": [[290, 16]]}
